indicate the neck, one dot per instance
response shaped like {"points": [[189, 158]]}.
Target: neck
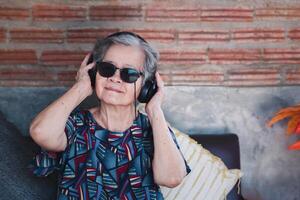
{"points": [[115, 118]]}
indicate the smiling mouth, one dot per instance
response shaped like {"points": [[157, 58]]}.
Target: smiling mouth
{"points": [[113, 89]]}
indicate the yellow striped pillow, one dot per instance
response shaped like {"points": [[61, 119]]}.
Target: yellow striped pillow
{"points": [[209, 179]]}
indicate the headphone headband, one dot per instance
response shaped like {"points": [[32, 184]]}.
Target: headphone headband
{"points": [[127, 33]]}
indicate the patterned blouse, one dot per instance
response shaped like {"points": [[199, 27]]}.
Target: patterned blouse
{"points": [[100, 164]]}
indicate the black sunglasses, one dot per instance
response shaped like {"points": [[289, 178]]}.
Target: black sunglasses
{"points": [[128, 75]]}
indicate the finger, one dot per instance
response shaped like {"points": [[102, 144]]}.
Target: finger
{"points": [[90, 66], [160, 82], [85, 60]]}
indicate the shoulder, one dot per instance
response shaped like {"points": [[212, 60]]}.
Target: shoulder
{"points": [[78, 117], [144, 124], [143, 120], [77, 122]]}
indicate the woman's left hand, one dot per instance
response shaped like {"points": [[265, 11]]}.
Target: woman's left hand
{"points": [[168, 165], [156, 101]]}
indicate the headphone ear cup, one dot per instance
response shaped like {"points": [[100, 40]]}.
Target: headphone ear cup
{"points": [[92, 71], [147, 91], [92, 74]]}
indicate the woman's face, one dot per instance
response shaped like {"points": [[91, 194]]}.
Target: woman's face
{"points": [[114, 90]]}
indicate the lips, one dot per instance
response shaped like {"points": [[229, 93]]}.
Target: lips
{"points": [[113, 89]]}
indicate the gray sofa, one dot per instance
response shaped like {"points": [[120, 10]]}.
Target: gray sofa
{"points": [[16, 180]]}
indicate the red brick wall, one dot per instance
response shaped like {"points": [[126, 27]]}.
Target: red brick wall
{"points": [[234, 44]]}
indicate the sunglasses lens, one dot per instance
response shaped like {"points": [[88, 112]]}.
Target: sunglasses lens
{"points": [[106, 69], [129, 75]]}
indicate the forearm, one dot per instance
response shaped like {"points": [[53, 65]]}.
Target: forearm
{"points": [[47, 129], [168, 164]]}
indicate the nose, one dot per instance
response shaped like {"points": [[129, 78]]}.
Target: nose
{"points": [[116, 77]]}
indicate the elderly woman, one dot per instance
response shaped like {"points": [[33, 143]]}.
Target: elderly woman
{"points": [[111, 151]]}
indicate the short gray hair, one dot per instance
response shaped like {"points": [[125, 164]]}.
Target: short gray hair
{"points": [[129, 39]]}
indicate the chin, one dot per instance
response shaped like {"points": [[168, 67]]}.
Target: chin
{"points": [[115, 98], [117, 101]]}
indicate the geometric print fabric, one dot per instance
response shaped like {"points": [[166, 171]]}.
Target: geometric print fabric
{"points": [[100, 164]]}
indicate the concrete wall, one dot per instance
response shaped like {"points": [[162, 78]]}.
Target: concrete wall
{"points": [[271, 172]]}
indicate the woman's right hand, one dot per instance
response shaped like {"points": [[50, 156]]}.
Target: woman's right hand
{"points": [[82, 76], [48, 127]]}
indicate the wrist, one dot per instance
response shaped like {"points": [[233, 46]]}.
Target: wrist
{"points": [[83, 89], [153, 112]]}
